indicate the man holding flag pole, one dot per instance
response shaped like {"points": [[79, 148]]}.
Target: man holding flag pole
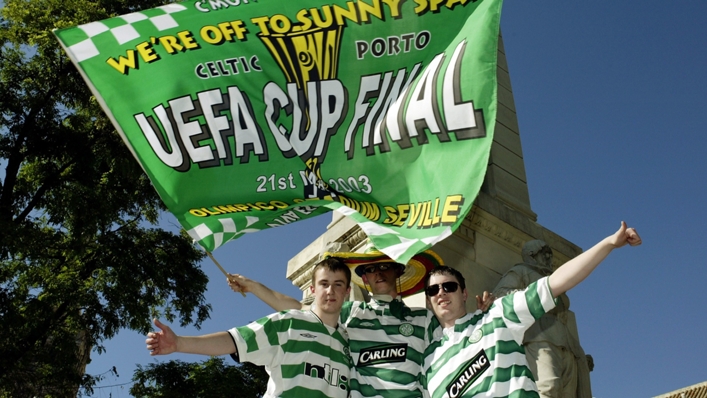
{"points": [[304, 352]]}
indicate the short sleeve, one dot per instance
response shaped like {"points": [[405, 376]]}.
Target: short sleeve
{"points": [[522, 308], [259, 341]]}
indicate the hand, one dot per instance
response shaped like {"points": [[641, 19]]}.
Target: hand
{"points": [[239, 283], [485, 303], [163, 342], [625, 235]]}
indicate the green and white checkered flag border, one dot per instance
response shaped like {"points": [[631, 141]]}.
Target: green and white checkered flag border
{"points": [[227, 233], [385, 239], [86, 49]]}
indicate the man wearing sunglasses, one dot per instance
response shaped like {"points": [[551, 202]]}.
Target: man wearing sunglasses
{"points": [[481, 354], [387, 338]]}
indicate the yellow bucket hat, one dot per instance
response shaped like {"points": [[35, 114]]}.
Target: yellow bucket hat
{"points": [[412, 279]]}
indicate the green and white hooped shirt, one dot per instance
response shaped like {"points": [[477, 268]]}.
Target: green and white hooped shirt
{"points": [[483, 355], [387, 341], [303, 356]]}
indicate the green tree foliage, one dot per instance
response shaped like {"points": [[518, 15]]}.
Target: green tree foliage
{"points": [[211, 378], [79, 256]]}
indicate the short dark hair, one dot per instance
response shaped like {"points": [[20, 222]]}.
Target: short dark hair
{"points": [[333, 264], [446, 271]]}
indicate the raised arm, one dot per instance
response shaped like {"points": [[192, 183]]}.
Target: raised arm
{"points": [[576, 270], [484, 302], [276, 300], [166, 342]]}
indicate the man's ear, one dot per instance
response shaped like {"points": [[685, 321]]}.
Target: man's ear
{"points": [[363, 277], [311, 289], [465, 294]]}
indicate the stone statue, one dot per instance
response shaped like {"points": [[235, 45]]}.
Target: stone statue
{"points": [[556, 359]]}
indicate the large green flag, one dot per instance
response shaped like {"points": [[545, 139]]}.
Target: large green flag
{"points": [[251, 114]]}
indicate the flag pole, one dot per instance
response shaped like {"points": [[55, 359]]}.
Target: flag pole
{"points": [[208, 253], [211, 256]]}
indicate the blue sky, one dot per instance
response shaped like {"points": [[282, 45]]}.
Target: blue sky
{"points": [[612, 113]]}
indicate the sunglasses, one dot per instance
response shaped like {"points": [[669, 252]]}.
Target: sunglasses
{"points": [[449, 287], [378, 267]]}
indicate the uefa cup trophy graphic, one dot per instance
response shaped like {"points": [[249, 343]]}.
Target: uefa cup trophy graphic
{"points": [[307, 56]]}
